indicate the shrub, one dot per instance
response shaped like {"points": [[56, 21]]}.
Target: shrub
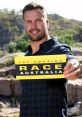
{"points": [[12, 47], [66, 40], [21, 45]]}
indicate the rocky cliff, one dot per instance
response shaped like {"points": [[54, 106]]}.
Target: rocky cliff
{"points": [[10, 29]]}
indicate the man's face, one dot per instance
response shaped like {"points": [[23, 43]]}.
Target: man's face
{"points": [[36, 26]]}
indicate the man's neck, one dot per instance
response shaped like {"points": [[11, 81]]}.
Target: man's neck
{"points": [[36, 45]]}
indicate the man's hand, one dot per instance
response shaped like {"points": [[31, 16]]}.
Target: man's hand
{"points": [[72, 69]]}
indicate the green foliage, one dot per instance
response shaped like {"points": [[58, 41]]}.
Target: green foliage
{"points": [[14, 29], [65, 36], [25, 36], [77, 44], [12, 47], [1, 53], [66, 40], [21, 45]]}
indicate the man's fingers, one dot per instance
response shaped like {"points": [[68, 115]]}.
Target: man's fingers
{"points": [[71, 66], [68, 68], [72, 69], [72, 75]]}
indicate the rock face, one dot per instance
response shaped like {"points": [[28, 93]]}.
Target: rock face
{"points": [[74, 90], [10, 87], [76, 110], [3, 32], [6, 34]]}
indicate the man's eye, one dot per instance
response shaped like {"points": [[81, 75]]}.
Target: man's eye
{"points": [[39, 20], [28, 22]]}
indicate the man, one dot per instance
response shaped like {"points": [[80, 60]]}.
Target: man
{"points": [[45, 98]]}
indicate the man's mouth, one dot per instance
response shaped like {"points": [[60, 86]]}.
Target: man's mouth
{"points": [[34, 32]]}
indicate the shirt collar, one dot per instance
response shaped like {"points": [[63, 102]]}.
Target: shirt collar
{"points": [[48, 44], [45, 45]]}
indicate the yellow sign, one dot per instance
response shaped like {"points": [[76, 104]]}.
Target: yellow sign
{"points": [[40, 67]]}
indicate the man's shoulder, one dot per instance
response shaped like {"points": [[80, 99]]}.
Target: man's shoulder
{"points": [[60, 46]]}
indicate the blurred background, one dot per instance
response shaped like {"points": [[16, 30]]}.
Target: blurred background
{"points": [[65, 22]]}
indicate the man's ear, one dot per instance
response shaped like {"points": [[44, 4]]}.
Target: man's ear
{"points": [[47, 21]]}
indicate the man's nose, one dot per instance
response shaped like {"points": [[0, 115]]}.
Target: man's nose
{"points": [[33, 25]]}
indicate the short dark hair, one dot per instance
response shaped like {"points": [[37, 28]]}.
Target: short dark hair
{"points": [[32, 6]]}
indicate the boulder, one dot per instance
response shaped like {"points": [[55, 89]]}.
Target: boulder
{"points": [[7, 72], [5, 87], [74, 91], [10, 87], [75, 111]]}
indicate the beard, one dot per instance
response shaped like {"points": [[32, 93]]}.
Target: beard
{"points": [[37, 38]]}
